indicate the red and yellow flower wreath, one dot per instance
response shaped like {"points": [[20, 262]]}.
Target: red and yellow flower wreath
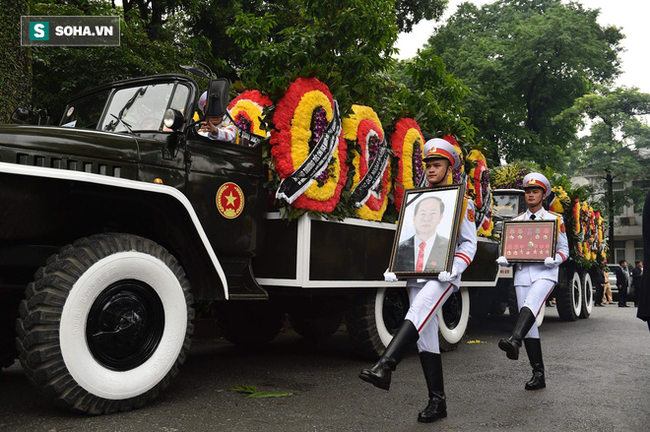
{"points": [[478, 186], [407, 142], [246, 111], [298, 116], [364, 127]]}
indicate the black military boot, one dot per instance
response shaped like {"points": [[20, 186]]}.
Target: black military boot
{"points": [[379, 374], [437, 408], [534, 351], [513, 343]]}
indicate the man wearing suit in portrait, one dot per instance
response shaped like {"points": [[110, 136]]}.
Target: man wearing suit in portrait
{"points": [[426, 250]]}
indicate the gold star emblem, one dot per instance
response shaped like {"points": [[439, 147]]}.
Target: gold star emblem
{"points": [[231, 199]]}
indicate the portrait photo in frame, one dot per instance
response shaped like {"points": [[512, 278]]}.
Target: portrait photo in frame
{"points": [[427, 229], [528, 241]]}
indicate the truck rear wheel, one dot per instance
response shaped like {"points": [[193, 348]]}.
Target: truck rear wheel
{"points": [[569, 299], [106, 324], [587, 296], [453, 319], [374, 318]]}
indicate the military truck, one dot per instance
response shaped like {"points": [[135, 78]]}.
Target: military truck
{"points": [[114, 221]]}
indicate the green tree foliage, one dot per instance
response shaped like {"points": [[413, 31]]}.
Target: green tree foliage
{"points": [[346, 44], [525, 61], [410, 12], [15, 65], [60, 72], [423, 90], [618, 143]]}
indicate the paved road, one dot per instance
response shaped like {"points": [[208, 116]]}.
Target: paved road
{"points": [[598, 378]]}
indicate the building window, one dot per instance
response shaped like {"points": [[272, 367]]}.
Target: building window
{"points": [[618, 186], [638, 250], [619, 251]]}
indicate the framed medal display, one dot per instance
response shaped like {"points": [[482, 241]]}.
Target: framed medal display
{"points": [[528, 241]]}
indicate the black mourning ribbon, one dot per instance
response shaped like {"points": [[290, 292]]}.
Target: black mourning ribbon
{"points": [[317, 161], [370, 181]]}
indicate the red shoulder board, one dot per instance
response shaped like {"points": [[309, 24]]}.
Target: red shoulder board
{"points": [[470, 215]]}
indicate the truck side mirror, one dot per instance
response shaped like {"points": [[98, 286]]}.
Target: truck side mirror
{"points": [[23, 115], [218, 99]]}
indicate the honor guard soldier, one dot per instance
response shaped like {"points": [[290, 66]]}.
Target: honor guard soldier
{"points": [[534, 282], [428, 295]]}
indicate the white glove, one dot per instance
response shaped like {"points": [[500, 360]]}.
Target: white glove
{"points": [[502, 261], [448, 277], [550, 262], [390, 276]]}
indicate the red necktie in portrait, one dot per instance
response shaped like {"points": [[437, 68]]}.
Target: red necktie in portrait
{"points": [[419, 266]]}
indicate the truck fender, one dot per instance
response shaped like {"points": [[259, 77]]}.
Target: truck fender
{"points": [[168, 194]]}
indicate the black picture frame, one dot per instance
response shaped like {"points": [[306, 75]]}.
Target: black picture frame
{"points": [[412, 229], [528, 241]]}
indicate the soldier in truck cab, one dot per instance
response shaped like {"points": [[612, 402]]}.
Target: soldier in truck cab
{"points": [[216, 128], [428, 295], [534, 282]]}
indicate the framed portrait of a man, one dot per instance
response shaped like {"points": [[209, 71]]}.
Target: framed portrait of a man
{"points": [[426, 232]]}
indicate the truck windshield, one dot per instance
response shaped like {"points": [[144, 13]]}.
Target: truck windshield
{"points": [[506, 206], [138, 108], [85, 112]]}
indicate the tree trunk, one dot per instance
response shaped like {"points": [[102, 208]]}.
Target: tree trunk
{"points": [[609, 195]]}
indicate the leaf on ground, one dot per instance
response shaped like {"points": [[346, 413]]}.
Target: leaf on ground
{"points": [[269, 394], [244, 389], [476, 342]]}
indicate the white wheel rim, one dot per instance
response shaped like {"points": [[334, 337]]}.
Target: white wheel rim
{"points": [[86, 371], [382, 331], [455, 335], [576, 292], [589, 293]]}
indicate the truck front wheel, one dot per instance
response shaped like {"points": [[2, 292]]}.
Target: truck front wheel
{"points": [[106, 324]]}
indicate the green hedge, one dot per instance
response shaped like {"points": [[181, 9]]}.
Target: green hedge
{"points": [[15, 73]]}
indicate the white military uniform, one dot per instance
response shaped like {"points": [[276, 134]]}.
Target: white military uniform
{"points": [[226, 131], [535, 281], [428, 295]]}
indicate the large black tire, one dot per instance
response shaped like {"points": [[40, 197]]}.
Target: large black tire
{"points": [[249, 324], [373, 319], [587, 296], [569, 298], [106, 324]]}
